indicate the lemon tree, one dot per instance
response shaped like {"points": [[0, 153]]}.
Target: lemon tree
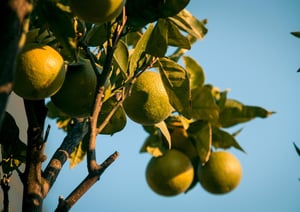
{"points": [[40, 72], [221, 174], [119, 64], [170, 174]]}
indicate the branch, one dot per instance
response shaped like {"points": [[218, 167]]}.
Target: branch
{"points": [[5, 188], [85, 185], [101, 80], [75, 135], [108, 117], [32, 180]]}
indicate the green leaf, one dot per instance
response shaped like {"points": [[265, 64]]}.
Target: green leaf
{"points": [[9, 132], [177, 85], [297, 149], [118, 120], [132, 38], [296, 34], [201, 133], [151, 129], [97, 35], [190, 24], [154, 145], [13, 156], [13, 150], [62, 120], [158, 41], [137, 58], [175, 38], [165, 132], [203, 104], [59, 20], [222, 139], [79, 153], [121, 56], [195, 71], [234, 112]]}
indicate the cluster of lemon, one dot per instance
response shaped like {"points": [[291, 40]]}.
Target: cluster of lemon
{"points": [[173, 172], [41, 73]]}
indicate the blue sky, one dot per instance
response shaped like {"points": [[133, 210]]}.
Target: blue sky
{"points": [[250, 50]]}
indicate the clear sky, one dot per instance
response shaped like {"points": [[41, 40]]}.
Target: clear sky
{"points": [[250, 50]]}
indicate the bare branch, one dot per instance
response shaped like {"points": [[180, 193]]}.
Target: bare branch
{"points": [[85, 185], [75, 135]]}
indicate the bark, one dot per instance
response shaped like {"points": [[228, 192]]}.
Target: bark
{"points": [[74, 136], [32, 176]]}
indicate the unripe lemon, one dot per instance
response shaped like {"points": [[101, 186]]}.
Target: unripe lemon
{"points": [[39, 72], [97, 11], [221, 174], [148, 102], [170, 174], [76, 96]]}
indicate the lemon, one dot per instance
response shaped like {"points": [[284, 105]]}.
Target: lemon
{"points": [[77, 94], [40, 72], [97, 11], [221, 174], [170, 174], [148, 102]]}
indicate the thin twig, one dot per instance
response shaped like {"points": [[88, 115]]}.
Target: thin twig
{"points": [[85, 185], [108, 117]]}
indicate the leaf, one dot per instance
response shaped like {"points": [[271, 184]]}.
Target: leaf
{"points": [[121, 56], [203, 104], [118, 120], [78, 155], [59, 20], [222, 139], [154, 145], [13, 150], [131, 38], [175, 38], [177, 85], [296, 34], [97, 35], [195, 71], [13, 156], [151, 129], [138, 55], [9, 132], [190, 24], [235, 112], [297, 149], [201, 133], [62, 120], [164, 131], [158, 41]]}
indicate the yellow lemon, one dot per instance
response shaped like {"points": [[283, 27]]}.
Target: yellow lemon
{"points": [[170, 174], [40, 72]]}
